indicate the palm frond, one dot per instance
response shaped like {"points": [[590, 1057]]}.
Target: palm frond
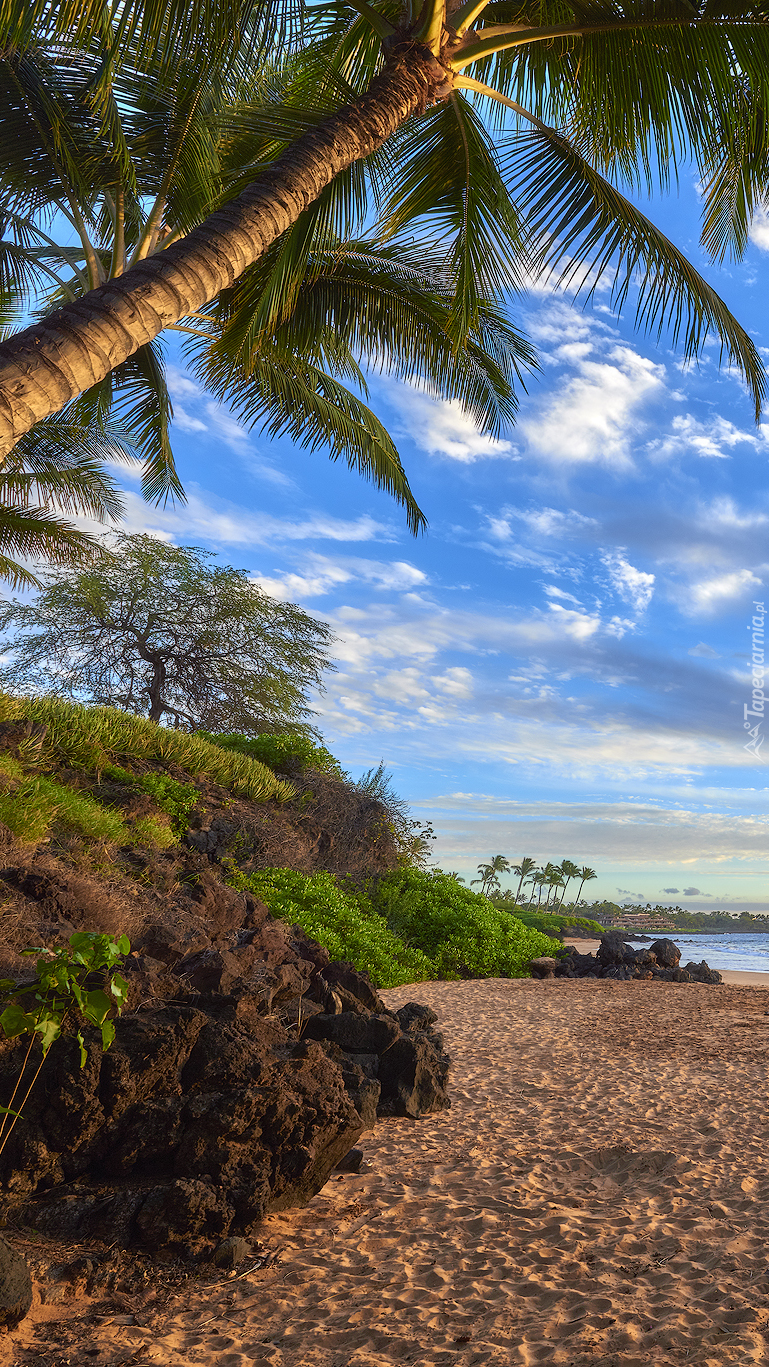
{"points": [[587, 228]]}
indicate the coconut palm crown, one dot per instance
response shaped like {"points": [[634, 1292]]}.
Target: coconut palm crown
{"points": [[511, 133]]}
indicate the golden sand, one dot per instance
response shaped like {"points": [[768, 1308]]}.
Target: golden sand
{"points": [[599, 1192]]}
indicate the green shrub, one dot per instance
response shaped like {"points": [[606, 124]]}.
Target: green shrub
{"points": [[344, 922], [545, 922], [280, 751], [459, 930], [93, 737]]}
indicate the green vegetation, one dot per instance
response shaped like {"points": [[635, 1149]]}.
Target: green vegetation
{"points": [[174, 798], [290, 749], [461, 931], [93, 738], [342, 920], [58, 992], [406, 927], [167, 633], [550, 922]]}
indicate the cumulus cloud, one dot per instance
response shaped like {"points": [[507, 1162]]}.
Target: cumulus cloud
{"points": [[714, 438], [321, 575], [692, 892], [442, 427], [634, 586], [592, 418], [717, 592], [671, 890], [759, 228]]}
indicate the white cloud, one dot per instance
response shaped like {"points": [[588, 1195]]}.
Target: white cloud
{"points": [[759, 228], [207, 518], [540, 521], [187, 423], [705, 651], [456, 682], [712, 594], [323, 575], [592, 418], [442, 427], [713, 439], [634, 586]]}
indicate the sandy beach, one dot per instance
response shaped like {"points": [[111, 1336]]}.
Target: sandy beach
{"points": [[598, 1191]]}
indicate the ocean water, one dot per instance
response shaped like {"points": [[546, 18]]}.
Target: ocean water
{"points": [[750, 953]]}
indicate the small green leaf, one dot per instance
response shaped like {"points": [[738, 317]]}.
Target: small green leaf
{"points": [[124, 944], [16, 1022], [49, 1029], [83, 1054], [6, 1110], [119, 989], [96, 1006], [107, 1034]]}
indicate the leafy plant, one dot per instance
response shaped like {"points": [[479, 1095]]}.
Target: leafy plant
{"points": [[174, 798], [29, 807], [342, 920], [61, 990], [461, 931], [279, 751]]}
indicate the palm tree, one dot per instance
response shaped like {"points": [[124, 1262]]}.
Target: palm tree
{"points": [[523, 870], [57, 468], [281, 360], [470, 102], [555, 880], [490, 873], [569, 870], [540, 880], [587, 875]]}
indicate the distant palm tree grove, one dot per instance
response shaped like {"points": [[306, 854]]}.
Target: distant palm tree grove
{"points": [[547, 884]]}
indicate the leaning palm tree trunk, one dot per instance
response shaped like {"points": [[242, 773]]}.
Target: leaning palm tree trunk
{"points": [[48, 364]]}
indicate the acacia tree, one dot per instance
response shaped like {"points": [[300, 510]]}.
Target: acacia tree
{"points": [[508, 129], [163, 632]]}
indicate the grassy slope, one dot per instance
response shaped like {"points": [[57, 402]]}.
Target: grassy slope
{"points": [[99, 792]]}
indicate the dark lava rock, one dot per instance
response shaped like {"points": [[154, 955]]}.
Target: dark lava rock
{"points": [[543, 967], [213, 1108], [619, 961], [667, 954], [351, 1161], [231, 1252], [15, 1286]]}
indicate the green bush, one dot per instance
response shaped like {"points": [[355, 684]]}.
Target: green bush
{"points": [[279, 751], [344, 922], [545, 922], [94, 737], [459, 930]]}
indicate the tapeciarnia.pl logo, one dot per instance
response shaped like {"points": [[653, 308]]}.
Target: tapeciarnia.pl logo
{"points": [[756, 706]]}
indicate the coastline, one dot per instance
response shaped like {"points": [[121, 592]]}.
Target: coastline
{"points": [[735, 977]]}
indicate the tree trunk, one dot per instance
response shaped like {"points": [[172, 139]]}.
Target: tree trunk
{"points": [[46, 365]]}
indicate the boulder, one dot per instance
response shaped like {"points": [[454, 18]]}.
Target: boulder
{"points": [[543, 967], [666, 953], [15, 1286], [233, 1095]]}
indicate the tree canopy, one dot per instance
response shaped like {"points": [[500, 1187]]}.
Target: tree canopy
{"points": [[502, 133], [164, 632]]}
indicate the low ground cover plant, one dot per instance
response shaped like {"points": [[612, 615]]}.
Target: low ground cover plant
{"points": [[409, 926], [548, 923], [280, 751], [92, 738]]}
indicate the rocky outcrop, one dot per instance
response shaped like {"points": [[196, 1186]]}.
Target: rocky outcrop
{"points": [[244, 1072], [617, 959]]}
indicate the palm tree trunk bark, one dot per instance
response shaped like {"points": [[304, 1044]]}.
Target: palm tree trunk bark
{"points": [[46, 365]]}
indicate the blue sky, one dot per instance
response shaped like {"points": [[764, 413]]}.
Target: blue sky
{"points": [[559, 668]]}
